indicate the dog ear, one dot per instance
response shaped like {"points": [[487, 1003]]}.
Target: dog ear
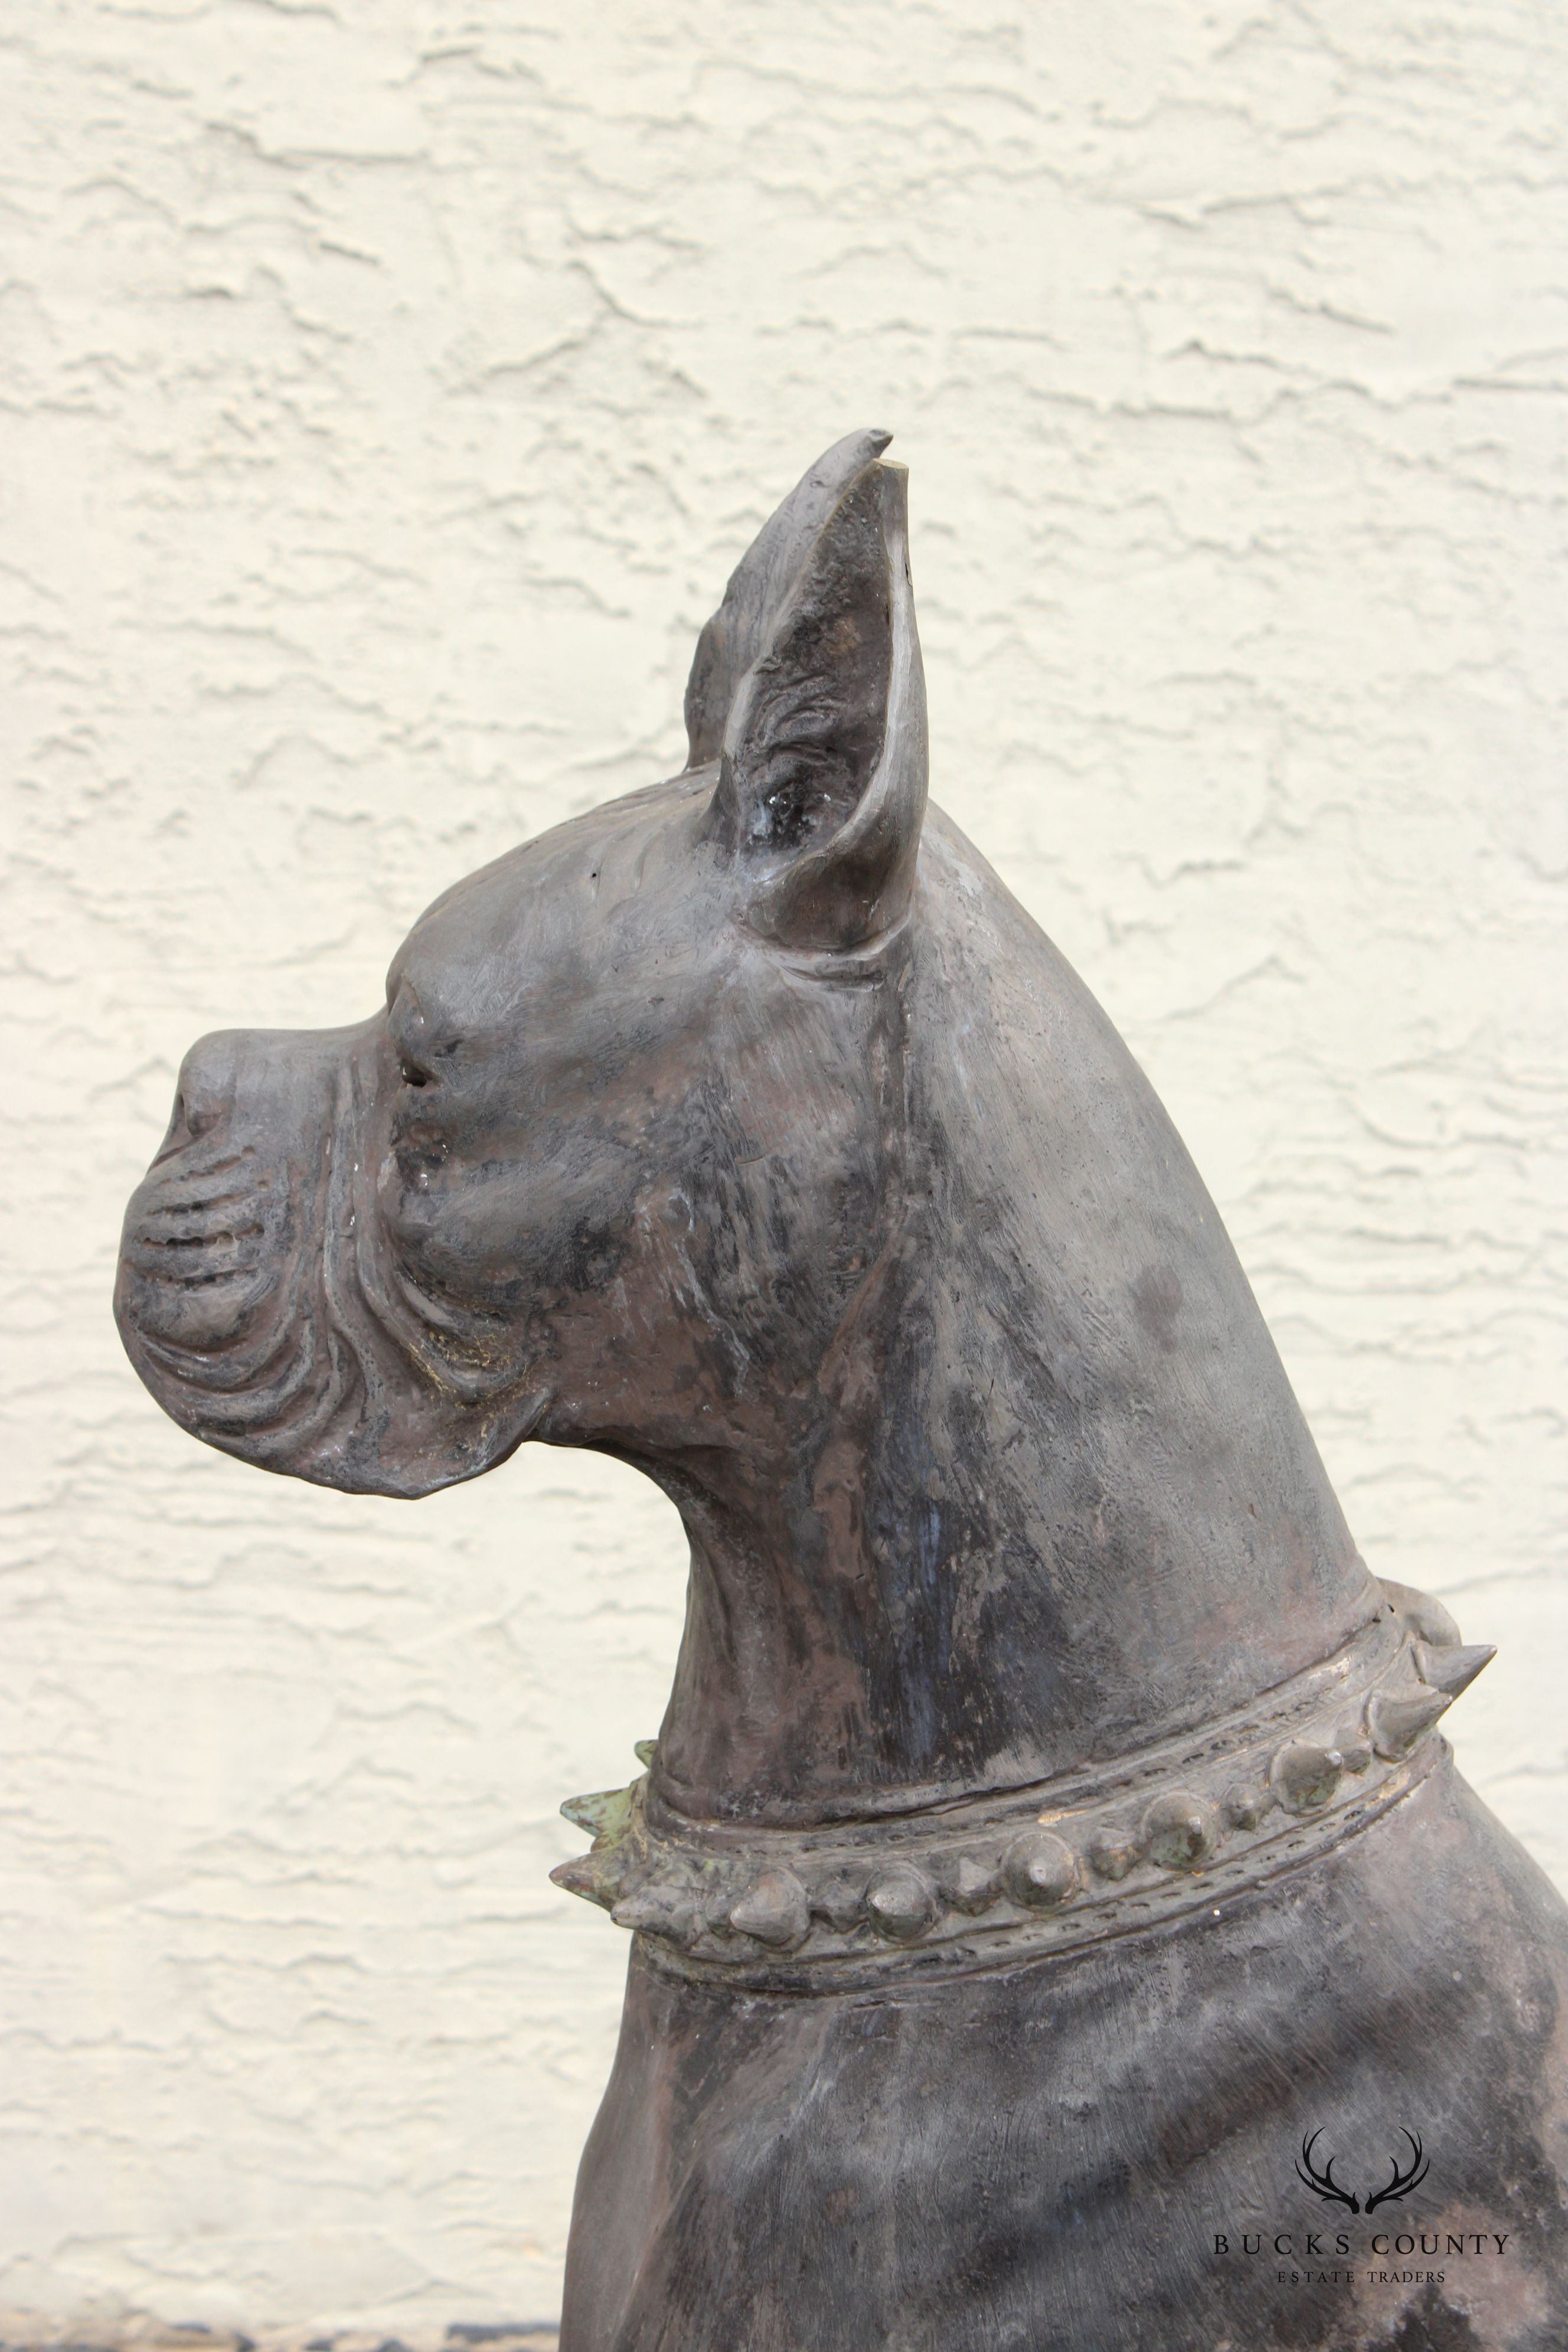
{"points": [[822, 780], [738, 634]]}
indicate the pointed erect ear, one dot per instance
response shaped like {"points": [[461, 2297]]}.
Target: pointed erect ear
{"points": [[822, 781], [738, 634]]}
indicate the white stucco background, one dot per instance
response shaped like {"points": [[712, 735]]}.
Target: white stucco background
{"points": [[386, 389]]}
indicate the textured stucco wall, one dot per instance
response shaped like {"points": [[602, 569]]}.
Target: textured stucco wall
{"points": [[387, 388]]}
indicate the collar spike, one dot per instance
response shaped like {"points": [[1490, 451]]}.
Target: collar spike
{"points": [[1396, 1723], [1452, 1670]]}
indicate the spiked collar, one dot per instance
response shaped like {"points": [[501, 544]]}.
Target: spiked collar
{"points": [[1044, 1869]]}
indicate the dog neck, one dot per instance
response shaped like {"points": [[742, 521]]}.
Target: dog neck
{"points": [[1051, 1497]]}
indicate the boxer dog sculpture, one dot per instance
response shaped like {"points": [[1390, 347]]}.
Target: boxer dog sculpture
{"points": [[1054, 1907]]}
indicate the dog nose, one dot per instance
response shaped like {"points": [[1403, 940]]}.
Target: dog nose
{"points": [[208, 1077]]}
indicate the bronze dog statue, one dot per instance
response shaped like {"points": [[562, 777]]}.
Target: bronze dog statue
{"points": [[1056, 1908]]}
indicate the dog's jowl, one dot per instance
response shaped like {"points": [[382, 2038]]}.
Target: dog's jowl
{"points": [[1055, 1911]]}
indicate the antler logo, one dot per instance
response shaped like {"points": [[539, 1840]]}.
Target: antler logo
{"points": [[1322, 2184], [1401, 2183]]}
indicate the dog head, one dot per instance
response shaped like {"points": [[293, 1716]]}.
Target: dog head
{"points": [[748, 1129], [605, 1169]]}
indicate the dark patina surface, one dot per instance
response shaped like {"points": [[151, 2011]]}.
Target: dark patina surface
{"points": [[1048, 1832]]}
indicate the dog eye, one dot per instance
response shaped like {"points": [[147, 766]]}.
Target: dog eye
{"points": [[411, 1073]]}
